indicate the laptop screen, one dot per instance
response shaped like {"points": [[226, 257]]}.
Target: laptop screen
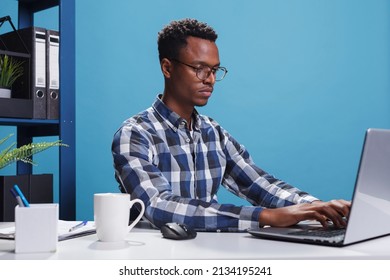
{"points": [[370, 211]]}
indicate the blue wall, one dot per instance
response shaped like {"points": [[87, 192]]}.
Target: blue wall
{"points": [[306, 78]]}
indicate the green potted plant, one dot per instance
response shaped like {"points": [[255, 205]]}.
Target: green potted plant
{"points": [[10, 70]]}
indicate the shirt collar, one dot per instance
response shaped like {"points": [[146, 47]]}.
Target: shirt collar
{"points": [[172, 118]]}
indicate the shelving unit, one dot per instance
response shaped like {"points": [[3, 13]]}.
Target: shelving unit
{"points": [[64, 127]]}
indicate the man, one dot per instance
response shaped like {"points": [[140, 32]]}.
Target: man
{"points": [[175, 159]]}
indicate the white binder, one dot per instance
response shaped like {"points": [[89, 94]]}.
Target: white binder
{"points": [[52, 73]]}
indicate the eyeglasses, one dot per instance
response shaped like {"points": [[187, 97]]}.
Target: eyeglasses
{"points": [[203, 72]]}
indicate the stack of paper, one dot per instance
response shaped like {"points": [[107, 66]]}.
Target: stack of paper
{"points": [[64, 232]]}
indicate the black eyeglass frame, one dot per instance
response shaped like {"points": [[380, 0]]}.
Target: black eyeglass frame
{"points": [[198, 70]]}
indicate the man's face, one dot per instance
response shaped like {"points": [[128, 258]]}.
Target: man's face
{"points": [[187, 90]]}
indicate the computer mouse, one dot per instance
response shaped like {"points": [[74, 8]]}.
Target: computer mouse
{"points": [[177, 231]]}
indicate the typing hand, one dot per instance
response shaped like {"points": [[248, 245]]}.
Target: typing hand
{"points": [[334, 210]]}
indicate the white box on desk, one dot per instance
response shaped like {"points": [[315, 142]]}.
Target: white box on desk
{"points": [[36, 228]]}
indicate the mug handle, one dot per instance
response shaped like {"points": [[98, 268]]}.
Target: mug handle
{"points": [[141, 213]]}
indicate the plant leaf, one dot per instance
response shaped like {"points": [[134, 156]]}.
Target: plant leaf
{"points": [[10, 70], [25, 152]]}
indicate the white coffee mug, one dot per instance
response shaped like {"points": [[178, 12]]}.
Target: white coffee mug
{"points": [[112, 214]]}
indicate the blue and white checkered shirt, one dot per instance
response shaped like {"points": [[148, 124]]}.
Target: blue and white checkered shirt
{"points": [[177, 172]]}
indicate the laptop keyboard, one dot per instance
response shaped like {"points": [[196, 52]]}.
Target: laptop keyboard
{"points": [[320, 232], [326, 235]]}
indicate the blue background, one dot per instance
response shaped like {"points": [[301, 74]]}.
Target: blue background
{"points": [[306, 79]]}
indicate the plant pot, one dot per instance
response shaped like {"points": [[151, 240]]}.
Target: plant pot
{"points": [[5, 92]]}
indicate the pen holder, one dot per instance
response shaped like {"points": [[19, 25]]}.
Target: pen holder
{"points": [[36, 228]]}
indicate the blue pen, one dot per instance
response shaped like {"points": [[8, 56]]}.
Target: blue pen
{"points": [[17, 197], [83, 223], [19, 192]]}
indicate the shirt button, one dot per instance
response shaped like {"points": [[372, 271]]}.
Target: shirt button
{"points": [[188, 140]]}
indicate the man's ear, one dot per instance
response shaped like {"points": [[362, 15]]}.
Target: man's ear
{"points": [[166, 67]]}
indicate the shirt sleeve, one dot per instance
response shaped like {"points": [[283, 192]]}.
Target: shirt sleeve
{"points": [[133, 161], [250, 182]]}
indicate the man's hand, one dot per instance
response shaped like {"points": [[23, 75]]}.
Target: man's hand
{"points": [[334, 210]]}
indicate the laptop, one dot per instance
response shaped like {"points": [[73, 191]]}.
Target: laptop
{"points": [[370, 211]]}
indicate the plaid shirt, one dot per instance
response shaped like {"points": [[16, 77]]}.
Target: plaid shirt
{"points": [[177, 172]]}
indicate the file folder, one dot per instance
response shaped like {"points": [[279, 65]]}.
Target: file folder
{"points": [[38, 188], [52, 73], [33, 83], [7, 201]]}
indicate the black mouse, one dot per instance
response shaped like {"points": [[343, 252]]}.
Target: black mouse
{"points": [[177, 231]]}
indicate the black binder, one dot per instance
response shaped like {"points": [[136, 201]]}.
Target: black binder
{"points": [[37, 188], [52, 73], [7, 201], [33, 83], [41, 188]]}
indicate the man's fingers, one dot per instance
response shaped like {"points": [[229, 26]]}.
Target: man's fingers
{"points": [[336, 211]]}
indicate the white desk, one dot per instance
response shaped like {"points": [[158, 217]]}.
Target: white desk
{"points": [[143, 244]]}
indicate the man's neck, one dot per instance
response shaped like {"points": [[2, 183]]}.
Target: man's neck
{"points": [[182, 111]]}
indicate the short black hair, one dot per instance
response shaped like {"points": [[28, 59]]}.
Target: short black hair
{"points": [[173, 37]]}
